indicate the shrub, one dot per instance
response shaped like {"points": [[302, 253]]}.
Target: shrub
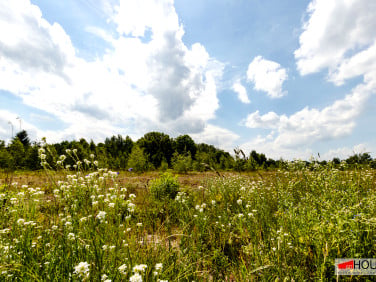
{"points": [[182, 163], [164, 187]]}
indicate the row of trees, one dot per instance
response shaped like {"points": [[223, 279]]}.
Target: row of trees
{"points": [[154, 150]]}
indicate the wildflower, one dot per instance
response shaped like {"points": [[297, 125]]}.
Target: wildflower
{"points": [[132, 196], [71, 236], [20, 221], [131, 207], [123, 269], [111, 205], [139, 268], [239, 202], [101, 215], [82, 269], [158, 266], [139, 224], [135, 278]]}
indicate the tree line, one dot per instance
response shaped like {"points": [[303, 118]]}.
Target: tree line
{"points": [[155, 150]]}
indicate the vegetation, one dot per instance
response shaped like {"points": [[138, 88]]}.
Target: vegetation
{"points": [[153, 151], [88, 224]]}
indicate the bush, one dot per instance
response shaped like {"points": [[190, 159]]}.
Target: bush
{"points": [[164, 187], [182, 163]]}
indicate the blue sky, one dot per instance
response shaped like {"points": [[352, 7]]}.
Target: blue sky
{"points": [[287, 78]]}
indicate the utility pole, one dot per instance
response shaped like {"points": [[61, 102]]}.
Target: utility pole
{"points": [[11, 125]]}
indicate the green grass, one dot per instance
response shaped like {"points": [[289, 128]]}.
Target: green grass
{"points": [[289, 225]]}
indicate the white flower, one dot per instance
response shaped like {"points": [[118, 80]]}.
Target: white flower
{"points": [[20, 221], [239, 201], [101, 215], [139, 268], [111, 205], [135, 278], [131, 207], [71, 236], [139, 224], [82, 269], [123, 269], [158, 266]]}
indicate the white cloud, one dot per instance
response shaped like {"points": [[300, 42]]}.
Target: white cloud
{"points": [[158, 82], [269, 120], [267, 76], [336, 30], [308, 126], [242, 92], [339, 35], [216, 136], [345, 152]]}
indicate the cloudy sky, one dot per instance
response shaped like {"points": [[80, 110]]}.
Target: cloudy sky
{"points": [[287, 78]]}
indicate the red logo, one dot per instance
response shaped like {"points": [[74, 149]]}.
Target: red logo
{"points": [[346, 265]]}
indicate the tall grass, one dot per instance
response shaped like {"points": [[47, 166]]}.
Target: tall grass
{"points": [[288, 225]]}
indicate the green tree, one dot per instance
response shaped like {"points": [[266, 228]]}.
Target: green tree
{"points": [[24, 138], [184, 144], [182, 163], [137, 160], [17, 151], [157, 146], [6, 159]]}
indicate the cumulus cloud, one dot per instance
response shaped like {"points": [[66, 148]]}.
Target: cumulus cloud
{"points": [[241, 91], [345, 152], [159, 82], [217, 136], [49, 49], [311, 125], [338, 36], [334, 33], [267, 76]]}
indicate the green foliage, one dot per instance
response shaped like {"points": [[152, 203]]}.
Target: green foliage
{"points": [[164, 187], [24, 138], [137, 160], [184, 144], [182, 163], [157, 146]]}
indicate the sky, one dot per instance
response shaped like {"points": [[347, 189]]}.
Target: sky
{"points": [[291, 79]]}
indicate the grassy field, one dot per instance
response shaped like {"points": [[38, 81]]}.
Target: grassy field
{"points": [[99, 225]]}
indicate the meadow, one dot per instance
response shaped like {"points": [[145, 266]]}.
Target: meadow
{"points": [[86, 223]]}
